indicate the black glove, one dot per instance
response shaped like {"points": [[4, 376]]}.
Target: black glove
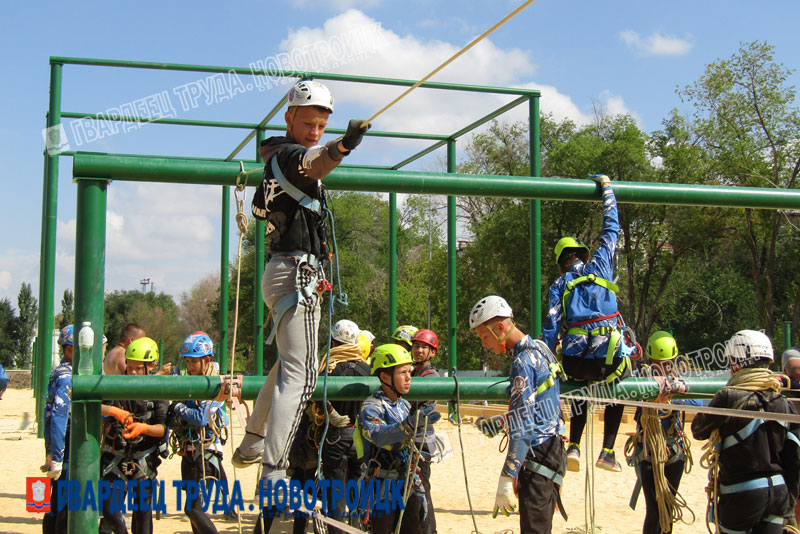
{"points": [[355, 132], [427, 413]]}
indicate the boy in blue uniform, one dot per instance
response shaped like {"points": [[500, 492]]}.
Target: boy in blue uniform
{"points": [[196, 431], [56, 432], [583, 302], [535, 451], [387, 423]]}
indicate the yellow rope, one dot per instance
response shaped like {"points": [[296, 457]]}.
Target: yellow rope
{"points": [[750, 379], [436, 70]]}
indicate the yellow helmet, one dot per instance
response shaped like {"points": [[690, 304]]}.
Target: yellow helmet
{"points": [[390, 355], [364, 345], [569, 242], [661, 346], [143, 349]]}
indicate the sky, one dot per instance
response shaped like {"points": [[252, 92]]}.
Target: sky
{"points": [[628, 56]]}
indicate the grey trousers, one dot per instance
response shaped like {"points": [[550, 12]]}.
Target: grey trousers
{"points": [[292, 379]]}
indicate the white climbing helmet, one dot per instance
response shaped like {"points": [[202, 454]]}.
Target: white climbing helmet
{"points": [[310, 93], [488, 308], [345, 331], [748, 346]]}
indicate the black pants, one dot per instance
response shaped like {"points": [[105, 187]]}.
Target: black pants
{"points": [[300, 522], [142, 518], [747, 510], [412, 518], [425, 473], [192, 469], [673, 473], [339, 462], [612, 420], [537, 493], [55, 522]]}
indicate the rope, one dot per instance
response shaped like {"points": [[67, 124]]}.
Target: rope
{"points": [[750, 379], [463, 456], [434, 71], [588, 490]]}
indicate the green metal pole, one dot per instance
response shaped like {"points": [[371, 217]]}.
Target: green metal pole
{"points": [[358, 388], [222, 346], [787, 334], [85, 434], [452, 251], [536, 220], [258, 302], [392, 263], [47, 268], [176, 170]]}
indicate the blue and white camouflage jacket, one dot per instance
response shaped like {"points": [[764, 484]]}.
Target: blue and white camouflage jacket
{"points": [[588, 300], [531, 419], [199, 414], [57, 412]]}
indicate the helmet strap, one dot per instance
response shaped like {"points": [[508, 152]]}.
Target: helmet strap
{"points": [[502, 340]]}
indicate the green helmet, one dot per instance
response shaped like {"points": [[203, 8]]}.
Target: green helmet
{"points": [[390, 355], [568, 242], [143, 349], [405, 333], [661, 346]]}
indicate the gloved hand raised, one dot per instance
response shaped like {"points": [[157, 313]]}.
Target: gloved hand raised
{"points": [[355, 132], [601, 179], [505, 501], [336, 418]]}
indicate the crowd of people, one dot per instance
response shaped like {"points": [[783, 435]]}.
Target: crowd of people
{"points": [[382, 438]]}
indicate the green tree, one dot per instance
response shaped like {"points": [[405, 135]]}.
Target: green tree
{"points": [[28, 308], [745, 116], [7, 333], [67, 311]]}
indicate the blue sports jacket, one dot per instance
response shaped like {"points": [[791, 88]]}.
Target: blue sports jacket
{"points": [[57, 412]]}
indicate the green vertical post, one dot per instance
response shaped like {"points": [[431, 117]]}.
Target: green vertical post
{"points": [[161, 350], [47, 266], [787, 334], [392, 262], [258, 302], [535, 220], [85, 434], [222, 346], [452, 250]]}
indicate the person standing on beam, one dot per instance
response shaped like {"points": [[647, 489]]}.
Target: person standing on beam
{"points": [[291, 201]]}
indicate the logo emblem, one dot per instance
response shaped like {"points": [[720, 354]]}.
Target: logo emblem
{"points": [[37, 494]]}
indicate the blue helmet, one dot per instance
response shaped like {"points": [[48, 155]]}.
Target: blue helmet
{"points": [[197, 346], [65, 338]]}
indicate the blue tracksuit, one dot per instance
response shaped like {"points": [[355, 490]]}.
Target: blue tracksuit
{"points": [[56, 412], [532, 419], [588, 300]]}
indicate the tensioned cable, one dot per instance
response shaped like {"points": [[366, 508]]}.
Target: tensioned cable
{"points": [[440, 67]]}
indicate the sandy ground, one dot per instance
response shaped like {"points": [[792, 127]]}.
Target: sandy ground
{"points": [[21, 453]]}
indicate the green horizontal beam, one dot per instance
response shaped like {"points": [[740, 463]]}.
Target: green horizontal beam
{"points": [[119, 387], [156, 169], [240, 125], [288, 74]]}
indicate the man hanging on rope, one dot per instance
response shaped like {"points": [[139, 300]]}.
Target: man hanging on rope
{"points": [[754, 465], [583, 304], [291, 200], [199, 431], [535, 455], [659, 449]]}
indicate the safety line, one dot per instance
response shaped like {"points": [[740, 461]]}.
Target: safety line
{"points": [[710, 410]]}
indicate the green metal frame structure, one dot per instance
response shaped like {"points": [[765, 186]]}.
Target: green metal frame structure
{"points": [[93, 172]]}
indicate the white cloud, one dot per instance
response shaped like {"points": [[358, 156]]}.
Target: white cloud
{"points": [[656, 44], [5, 280]]}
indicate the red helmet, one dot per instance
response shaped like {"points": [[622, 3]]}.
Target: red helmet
{"points": [[427, 337]]}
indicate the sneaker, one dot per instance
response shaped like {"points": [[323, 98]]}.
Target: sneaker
{"points": [[573, 458], [241, 461], [607, 461]]}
